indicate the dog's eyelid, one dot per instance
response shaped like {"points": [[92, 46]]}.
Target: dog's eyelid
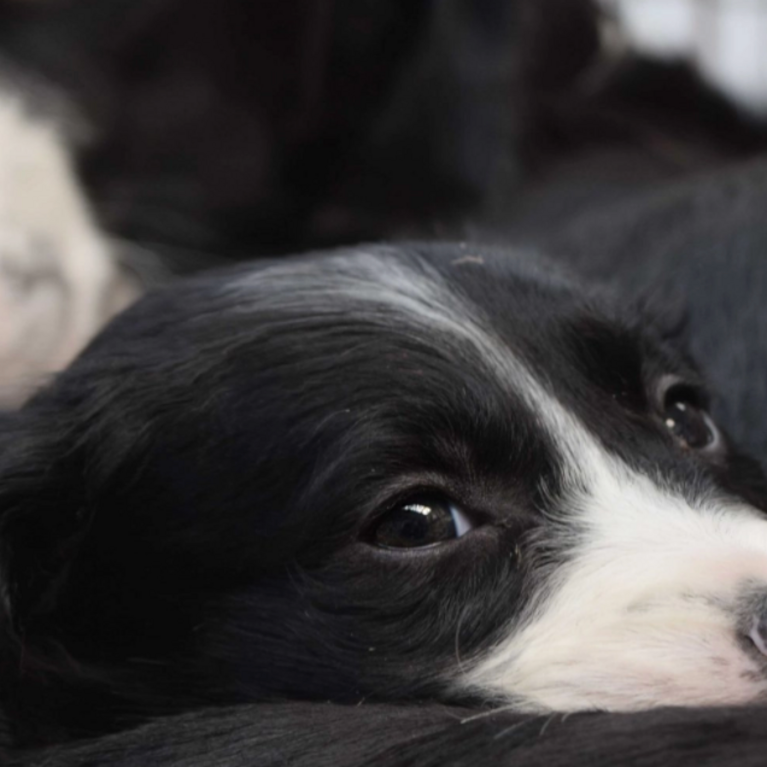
{"points": [[412, 489], [672, 388]]}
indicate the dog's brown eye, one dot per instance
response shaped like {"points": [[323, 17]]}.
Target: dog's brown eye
{"points": [[686, 419], [422, 522]]}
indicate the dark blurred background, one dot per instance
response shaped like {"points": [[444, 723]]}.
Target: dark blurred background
{"points": [[204, 132], [218, 130]]}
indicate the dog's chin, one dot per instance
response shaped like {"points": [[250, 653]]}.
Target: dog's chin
{"points": [[651, 661], [616, 648]]}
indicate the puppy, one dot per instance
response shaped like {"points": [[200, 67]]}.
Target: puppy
{"points": [[422, 472]]}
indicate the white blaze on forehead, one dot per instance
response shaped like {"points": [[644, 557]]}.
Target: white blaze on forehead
{"points": [[385, 283], [370, 281]]}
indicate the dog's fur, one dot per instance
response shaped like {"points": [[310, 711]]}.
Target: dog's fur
{"points": [[187, 516], [59, 281], [322, 735], [188, 513], [326, 139], [284, 125]]}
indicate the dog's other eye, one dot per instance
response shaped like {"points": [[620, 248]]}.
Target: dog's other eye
{"points": [[421, 522], [688, 421]]}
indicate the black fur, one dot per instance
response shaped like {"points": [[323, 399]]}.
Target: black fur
{"points": [[303, 735], [246, 129], [267, 127]]}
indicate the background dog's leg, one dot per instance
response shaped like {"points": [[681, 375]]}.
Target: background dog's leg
{"points": [[58, 280]]}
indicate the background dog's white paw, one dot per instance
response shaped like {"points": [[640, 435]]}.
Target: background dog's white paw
{"points": [[58, 280]]}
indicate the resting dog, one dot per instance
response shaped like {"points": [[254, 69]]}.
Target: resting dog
{"points": [[424, 472]]}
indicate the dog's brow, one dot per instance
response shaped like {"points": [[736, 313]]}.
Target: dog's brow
{"points": [[381, 283]]}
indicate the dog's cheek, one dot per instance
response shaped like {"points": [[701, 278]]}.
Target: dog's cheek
{"points": [[367, 624]]}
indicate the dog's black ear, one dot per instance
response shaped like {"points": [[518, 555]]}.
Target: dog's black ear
{"points": [[41, 512], [664, 309]]}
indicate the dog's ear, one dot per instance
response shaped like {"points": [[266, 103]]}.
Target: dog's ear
{"points": [[664, 309], [41, 512]]}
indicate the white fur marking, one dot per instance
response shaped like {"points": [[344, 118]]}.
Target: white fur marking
{"points": [[56, 273]]}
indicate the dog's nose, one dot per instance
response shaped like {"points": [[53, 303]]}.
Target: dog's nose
{"points": [[758, 633]]}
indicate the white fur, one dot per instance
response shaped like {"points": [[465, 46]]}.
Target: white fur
{"points": [[58, 281], [723, 39]]}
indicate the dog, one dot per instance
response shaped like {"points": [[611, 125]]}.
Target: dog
{"points": [[388, 474], [216, 504]]}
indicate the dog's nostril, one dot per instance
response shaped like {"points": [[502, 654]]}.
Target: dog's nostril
{"points": [[758, 634]]}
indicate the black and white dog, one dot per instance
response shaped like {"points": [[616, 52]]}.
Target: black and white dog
{"points": [[449, 482], [385, 474]]}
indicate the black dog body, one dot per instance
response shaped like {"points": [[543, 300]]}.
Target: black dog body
{"points": [[305, 735], [385, 474]]}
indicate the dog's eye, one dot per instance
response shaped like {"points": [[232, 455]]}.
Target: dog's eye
{"points": [[421, 522], [688, 421]]}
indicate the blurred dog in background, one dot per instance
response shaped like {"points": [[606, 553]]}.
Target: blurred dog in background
{"points": [[169, 136], [58, 279]]}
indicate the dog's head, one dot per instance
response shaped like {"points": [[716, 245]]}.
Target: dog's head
{"points": [[383, 473]]}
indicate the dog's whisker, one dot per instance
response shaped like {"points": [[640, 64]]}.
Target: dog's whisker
{"points": [[491, 713], [548, 721]]}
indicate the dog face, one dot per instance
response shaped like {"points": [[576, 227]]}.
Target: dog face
{"points": [[385, 473]]}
